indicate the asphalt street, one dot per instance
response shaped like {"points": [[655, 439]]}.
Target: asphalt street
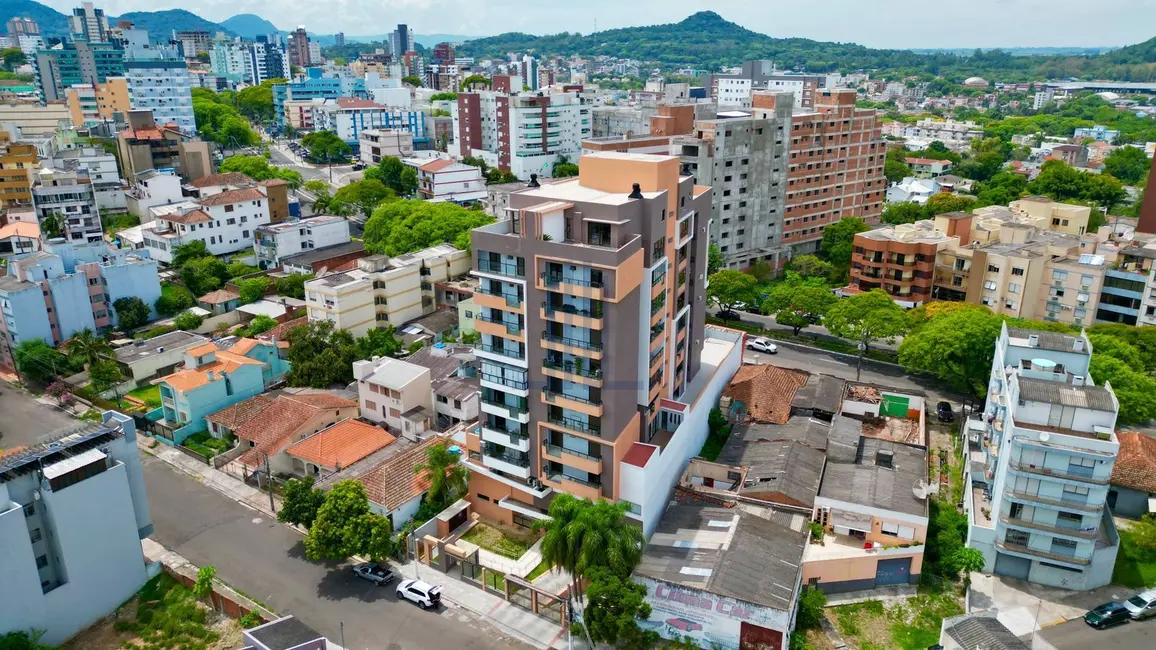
{"points": [[266, 561], [1078, 635]]}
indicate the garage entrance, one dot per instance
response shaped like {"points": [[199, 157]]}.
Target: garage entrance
{"points": [[1012, 567], [893, 572]]}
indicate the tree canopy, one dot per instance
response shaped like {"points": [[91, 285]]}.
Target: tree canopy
{"points": [[729, 288], [957, 347], [219, 121], [320, 356], [1129, 164], [131, 312], [259, 169], [406, 225], [325, 146], [837, 243], [364, 195]]}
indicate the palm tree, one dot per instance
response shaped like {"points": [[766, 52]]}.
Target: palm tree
{"points": [[447, 477], [86, 345], [582, 534]]}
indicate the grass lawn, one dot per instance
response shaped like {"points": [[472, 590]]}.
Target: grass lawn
{"points": [[542, 567], [150, 395], [494, 540], [1130, 570], [913, 625], [207, 445]]}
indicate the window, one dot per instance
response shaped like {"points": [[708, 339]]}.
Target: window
{"points": [[30, 509], [989, 285], [1017, 537], [1014, 288], [1059, 276], [228, 208], [522, 520], [484, 497], [35, 535], [992, 268], [41, 561]]}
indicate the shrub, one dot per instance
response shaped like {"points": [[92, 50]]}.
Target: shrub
{"points": [[252, 619], [187, 321]]}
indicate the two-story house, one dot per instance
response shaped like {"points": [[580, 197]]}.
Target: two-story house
{"points": [[441, 179], [1047, 445], [278, 240], [211, 379]]}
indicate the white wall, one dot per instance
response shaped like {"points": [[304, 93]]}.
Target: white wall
{"points": [[720, 617]]}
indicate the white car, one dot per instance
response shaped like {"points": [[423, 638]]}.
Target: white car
{"points": [[762, 345], [1142, 605], [422, 593]]}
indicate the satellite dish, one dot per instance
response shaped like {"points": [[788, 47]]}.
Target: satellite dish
{"points": [[1045, 436]]}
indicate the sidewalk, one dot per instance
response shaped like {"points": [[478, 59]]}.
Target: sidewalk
{"points": [[224, 483], [510, 619]]}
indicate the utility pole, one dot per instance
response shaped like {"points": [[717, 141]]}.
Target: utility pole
{"points": [[342, 634], [269, 480]]}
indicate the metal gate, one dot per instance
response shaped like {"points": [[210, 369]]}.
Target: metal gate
{"points": [[893, 572], [1012, 567]]}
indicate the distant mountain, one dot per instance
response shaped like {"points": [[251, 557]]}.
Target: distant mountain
{"points": [[160, 24], [51, 21], [249, 25], [430, 40]]}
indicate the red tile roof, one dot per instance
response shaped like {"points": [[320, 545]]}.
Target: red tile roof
{"points": [[639, 454], [353, 102], [395, 481], [765, 391], [278, 423], [342, 444], [272, 182], [234, 196], [232, 417], [192, 216], [281, 332], [436, 165], [1136, 462], [228, 178]]}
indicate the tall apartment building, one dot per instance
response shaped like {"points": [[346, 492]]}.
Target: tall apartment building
{"points": [[743, 157], [349, 116], [18, 162], [103, 174], [158, 80], [22, 26], [835, 168], [1047, 442], [737, 89], [400, 41], [526, 134], [193, 42], [900, 259], [88, 23], [91, 104], [384, 291], [66, 288], [299, 48], [146, 145], [592, 317], [73, 511], [68, 198], [266, 61], [75, 63], [314, 85]]}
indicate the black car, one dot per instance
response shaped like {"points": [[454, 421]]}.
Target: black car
{"points": [[944, 413], [1107, 615], [729, 314]]}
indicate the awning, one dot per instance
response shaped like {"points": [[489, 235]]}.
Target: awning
{"points": [[852, 520]]}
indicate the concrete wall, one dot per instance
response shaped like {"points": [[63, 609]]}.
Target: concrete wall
{"points": [[72, 304], [138, 279], [1129, 502], [857, 573], [720, 620]]}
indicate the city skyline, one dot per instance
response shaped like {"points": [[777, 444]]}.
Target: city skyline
{"points": [[897, 24]]}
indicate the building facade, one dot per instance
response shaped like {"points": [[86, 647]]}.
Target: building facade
{"points": [[18, 162], [225, 221], [899, 260], [79, 62], [1037, 508], [380, 143], [68, 199], [146, 145], [74, 511], [163, 86], [275, 241], [445, 180], [348, 117]]}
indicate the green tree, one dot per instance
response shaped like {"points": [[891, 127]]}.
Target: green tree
{"points": [[1129, 164], [440, 97], [896, 170], [87, 348], [865, 318], [174, 299], [581, 535], [943, 203], [968, 560], [184, 253], [366, 195], [301, 503], [320, 356], [956, 347], [13, 58], [446, 475], [1106, 191], [256, 102], [51, 226], [714, 259], [131, 312], [614, 605], [338, 531], [379, 342], [395, 175], [810, 612], [1060, 181], [21, 640], [380, 542], [805, 306], [412, 80], [203, 587], [293, 285], [404, 226], [729, 288], [187, 321], [260, 325], [837, 244], [810, 266], [762, 271], [474, 80], [564, 168], [325, 146], [1133, 389], [897, 213], [39, 362], [104, 375], [253, 289], [204, 274], [238, 269], [259, 169]]}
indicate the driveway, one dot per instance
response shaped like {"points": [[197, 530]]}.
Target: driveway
{"points": [[266, 561], [24, 420], [1025, 607]]}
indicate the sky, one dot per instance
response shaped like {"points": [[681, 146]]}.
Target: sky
{"points": [[875, 23]]}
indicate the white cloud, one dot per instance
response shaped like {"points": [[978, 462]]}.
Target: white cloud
{"points": [[876, 23]]}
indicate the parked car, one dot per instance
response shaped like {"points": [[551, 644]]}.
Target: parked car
{"points": [[378, 574], [1107, 615], [762, 345], [423, 594], [944, 412], [728, 314], [358, 167], [1142, 605]]}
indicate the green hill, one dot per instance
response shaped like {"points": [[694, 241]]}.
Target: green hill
{"points": [[160, 24], [51, 21], [249, 25]]}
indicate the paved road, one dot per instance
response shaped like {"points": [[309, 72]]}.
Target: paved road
{"points": [[284, 157], [23, 420], [266, 561], [1077, 635], [769, 322]]}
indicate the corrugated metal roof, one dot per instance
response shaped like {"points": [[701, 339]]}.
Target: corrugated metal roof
{"points": [[1054, 392], [71, 463]]}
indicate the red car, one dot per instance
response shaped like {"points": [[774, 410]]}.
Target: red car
{"points": [[683, 625]]}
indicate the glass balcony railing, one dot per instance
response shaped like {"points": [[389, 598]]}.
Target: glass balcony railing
{"points": [[513, 353], [555, 395], [512, 327], [501, 268], [505, 381], [590, 428], [594, 312], [577, 343], [554, 279], [574, 368], [512, 408]]}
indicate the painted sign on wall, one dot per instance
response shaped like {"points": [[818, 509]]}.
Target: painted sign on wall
{"points": [[710, 620]]}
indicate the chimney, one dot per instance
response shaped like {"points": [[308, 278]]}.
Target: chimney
{"points": [[533, 181], [636, 193], [885, 458]]}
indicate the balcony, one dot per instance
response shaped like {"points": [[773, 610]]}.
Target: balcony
{"points": [[569, 345], [506, 438], [500, 326], [1055, 473], [1048, 528], [570, 315], [512, 464], [516, 384], [571, 458], [510, 269], [1057, 503], [512, 411], [572, 424], [1026, 550], [498, 299], [570, 285], [573, 402], [576, 367], [512, 353]]}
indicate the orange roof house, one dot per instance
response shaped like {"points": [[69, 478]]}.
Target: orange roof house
{"points": [[766, 392], [339, 446]]}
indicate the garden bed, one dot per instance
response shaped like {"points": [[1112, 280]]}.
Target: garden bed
{"points": [[494, 540], [207, 445]]}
